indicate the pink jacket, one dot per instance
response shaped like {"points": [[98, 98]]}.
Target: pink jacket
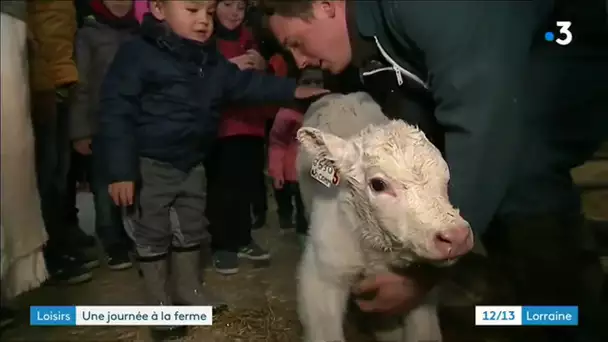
{"points": [[242, 120], [141, 8], [283, 146]]}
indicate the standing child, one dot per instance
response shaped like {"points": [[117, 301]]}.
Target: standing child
{"points": [[238, 156], [282, 155], [111, 24], [158, 117]]}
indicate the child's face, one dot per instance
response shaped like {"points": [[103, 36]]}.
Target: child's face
{"points": [[191, 19], [118, 7], [231, 13], [311, 78]]}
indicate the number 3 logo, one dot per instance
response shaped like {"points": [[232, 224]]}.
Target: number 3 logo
{"points": [[564, 29]]}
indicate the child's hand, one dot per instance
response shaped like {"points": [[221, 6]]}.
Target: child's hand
{"points": [[278, 182], [258, 61], [122, 193], [307, 92], [244, 62], [83, 146]]}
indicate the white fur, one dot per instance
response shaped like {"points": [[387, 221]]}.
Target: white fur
{"points": [[355, 230]]}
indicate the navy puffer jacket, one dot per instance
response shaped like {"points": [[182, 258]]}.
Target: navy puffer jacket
{"points": [[160, 100]]}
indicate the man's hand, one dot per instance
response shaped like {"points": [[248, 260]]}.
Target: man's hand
{"points": [[83, 146], [122, 193], [394, 294], [307, 92], [244, 61], [258, 61]]}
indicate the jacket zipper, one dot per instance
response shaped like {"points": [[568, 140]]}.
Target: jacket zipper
{"points": [[399, 70], [375, 71]]}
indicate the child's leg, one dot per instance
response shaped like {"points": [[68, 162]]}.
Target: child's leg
{"points": [[109, 225], [229, 207], [252, 156], [301, 221], [283, 197], [212, 207], [186, 265], [152, 226], [260, 200], [232, 221]]}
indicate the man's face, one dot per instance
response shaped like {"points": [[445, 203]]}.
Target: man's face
{"points": [[321, 41]]}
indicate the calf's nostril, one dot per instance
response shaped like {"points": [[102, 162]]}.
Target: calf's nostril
{"points": [[453, 242], [457, 235], [443, 245], [443, 238]]}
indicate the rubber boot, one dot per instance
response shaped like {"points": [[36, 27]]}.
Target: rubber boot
{"points": [[154, 270], [186, 269]]}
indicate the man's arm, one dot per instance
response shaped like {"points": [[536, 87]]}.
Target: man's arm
{"points": [[119, 107], [476, 53], [52, 25], [255, 86], [80, 120]]}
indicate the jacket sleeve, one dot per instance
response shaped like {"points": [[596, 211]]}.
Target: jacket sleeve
{"points": [[477, 68], [80, 115], [52, 26], [119, 107], [255, 86]]}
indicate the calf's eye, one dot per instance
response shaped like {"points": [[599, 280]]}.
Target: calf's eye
{"points": [[378, 185]]}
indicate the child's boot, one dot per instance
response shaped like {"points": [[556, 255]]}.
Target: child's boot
{"points": [[154, 270], [185, 276]]}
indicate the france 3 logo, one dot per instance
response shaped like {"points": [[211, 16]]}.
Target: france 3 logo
{"points": [[565, 35]]}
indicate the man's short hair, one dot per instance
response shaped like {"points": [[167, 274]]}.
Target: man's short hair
{"points": [[290, 8]]}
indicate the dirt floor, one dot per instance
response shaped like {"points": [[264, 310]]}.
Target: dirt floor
{"points": [[261, 299]]}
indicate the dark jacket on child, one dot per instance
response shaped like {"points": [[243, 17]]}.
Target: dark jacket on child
{"points": [[161, 96], [97, 41]]}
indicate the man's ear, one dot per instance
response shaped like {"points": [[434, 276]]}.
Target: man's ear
{"points": [[327, 145]]}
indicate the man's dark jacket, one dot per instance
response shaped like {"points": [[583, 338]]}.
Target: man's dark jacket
{"points": [[513, 106]]}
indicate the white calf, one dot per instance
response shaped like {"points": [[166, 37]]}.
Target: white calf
{"points": [[376, 196]]}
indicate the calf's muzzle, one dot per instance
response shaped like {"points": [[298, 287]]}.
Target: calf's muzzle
{"points": [[453, 242]]}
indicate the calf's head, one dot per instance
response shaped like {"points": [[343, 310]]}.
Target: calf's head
{"points": [[396, 182]]}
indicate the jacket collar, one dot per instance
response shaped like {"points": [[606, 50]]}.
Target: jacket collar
{"points": [[186, 50], [360, 32], [367, 31]]}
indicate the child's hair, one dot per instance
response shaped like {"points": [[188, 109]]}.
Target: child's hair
{"points": [[310, 77], [293, 8]]}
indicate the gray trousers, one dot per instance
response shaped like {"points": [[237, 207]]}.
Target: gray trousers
{"points": [[164, 187]]}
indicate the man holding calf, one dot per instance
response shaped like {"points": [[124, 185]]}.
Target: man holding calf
{"points": [[517, 114]]}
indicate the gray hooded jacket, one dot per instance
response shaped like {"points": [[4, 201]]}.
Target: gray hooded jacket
{"points": [[95, 47]]}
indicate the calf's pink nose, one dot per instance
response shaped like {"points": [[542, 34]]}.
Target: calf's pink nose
{"points": [[454, 242]]}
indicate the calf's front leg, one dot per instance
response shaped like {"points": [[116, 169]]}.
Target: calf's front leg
{"points": [[422, 323], [322, 299]]}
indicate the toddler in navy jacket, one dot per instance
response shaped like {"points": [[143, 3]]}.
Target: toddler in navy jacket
{"points": [[158, 116]]}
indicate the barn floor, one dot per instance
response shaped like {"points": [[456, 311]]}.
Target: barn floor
{"points": [[261, 299]]}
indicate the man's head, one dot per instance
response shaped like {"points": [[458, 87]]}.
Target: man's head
{"points": [[315, 32], [191, 19]]}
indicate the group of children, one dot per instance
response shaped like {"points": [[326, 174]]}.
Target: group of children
{"points": [[173, 112]]}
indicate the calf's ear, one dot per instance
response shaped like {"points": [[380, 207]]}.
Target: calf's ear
{"points": [[326, 145]]}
